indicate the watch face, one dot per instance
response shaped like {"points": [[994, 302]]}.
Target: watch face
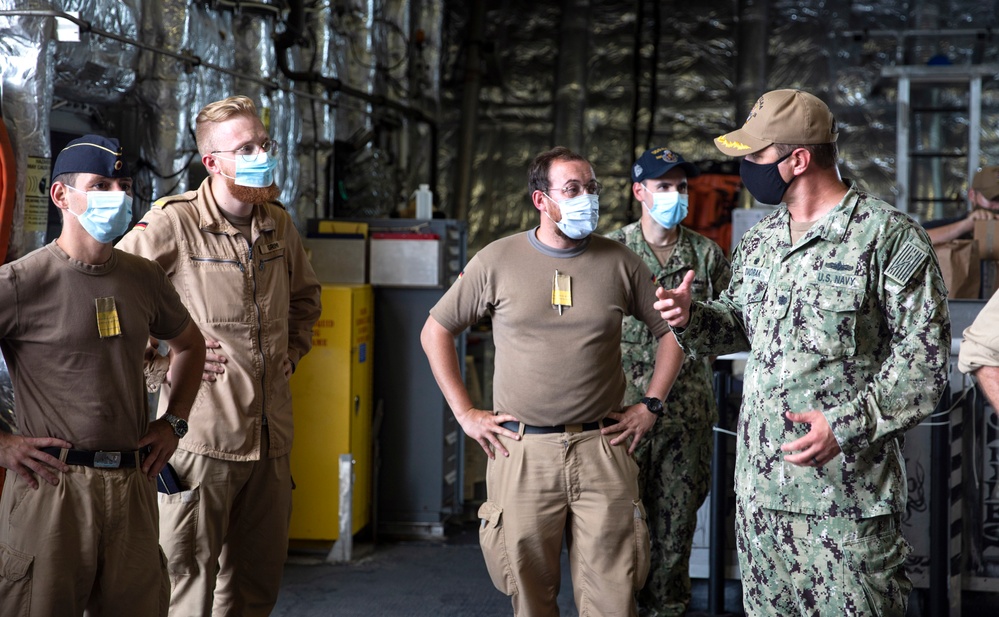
{"points": [[179, 424], [654, 404]]}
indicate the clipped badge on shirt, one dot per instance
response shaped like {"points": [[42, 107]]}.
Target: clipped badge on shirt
{"points": [[561, 291], [107, 318]]}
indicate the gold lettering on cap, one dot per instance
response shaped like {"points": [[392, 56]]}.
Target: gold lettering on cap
{"points": [[738, 145]]}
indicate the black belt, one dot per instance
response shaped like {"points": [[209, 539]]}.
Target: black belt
{"points": [[100, 459], [558, 428]]}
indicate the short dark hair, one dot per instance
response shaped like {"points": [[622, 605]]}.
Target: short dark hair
{"points": [[537, 173], [823, 155], [68, 179]]}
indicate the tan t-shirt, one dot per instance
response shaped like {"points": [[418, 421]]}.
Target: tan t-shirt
{"points": [[553, 368], [799, 229], [69, 382]]}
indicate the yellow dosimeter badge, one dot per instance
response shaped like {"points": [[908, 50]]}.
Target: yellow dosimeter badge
{"points": [[561, 291], [107, 318]]}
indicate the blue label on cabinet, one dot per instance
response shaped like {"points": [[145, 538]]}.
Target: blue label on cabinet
{"points": [[362, 352]]}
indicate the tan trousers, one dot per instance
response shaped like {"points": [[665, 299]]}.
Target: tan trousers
{"points": [[574, 485], [226, 538], [85, 547]]}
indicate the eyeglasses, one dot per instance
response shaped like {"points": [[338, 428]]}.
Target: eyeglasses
{"points": [[251, 151], [575, 189]]}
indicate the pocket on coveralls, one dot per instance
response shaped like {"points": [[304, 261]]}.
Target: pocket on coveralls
{"points": [[493, 545], [643, 545], [179, 514], [15, 582]]}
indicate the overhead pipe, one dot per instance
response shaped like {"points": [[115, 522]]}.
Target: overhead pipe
{"points": [[294, 34], [570, 79], [752, 63], [636, 104], [283, 42], [188, 59], [901, 35], [469, 111], [654, 74]]}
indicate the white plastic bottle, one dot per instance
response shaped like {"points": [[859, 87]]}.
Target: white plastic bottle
{"points": [[424, 202]]}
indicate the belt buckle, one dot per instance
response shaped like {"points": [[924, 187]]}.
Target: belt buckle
{"points": [[107, 460]]}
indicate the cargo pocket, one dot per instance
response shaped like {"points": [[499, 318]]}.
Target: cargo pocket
{"points": [[179, 515], [877, 563], [643, 545], [15, 582], [493, 545], [164, 584]]}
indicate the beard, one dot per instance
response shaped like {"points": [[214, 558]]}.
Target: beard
{"points": [[250, 194], [558, 230]]}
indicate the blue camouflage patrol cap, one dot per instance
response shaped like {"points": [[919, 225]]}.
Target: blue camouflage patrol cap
{"points": [[657, 161], [91, 154]]}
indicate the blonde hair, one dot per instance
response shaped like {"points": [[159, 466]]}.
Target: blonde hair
{"points": [[220, 111]]}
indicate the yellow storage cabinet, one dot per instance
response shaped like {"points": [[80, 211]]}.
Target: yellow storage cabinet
{"points": [[331, 397]]}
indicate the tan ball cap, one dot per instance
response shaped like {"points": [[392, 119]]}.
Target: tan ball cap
{"points": [[986, 182], [782, 117]]}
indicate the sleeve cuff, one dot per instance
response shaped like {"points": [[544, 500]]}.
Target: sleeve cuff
{"points": [[155, 372]]}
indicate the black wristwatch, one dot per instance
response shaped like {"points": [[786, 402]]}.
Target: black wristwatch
{"points": [[654, 405], [179, 424]]}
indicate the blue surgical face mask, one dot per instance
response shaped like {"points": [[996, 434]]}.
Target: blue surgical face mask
{"points": [[763, 181], [668, 208], [579, 215], [253, 171], [107, 215]]}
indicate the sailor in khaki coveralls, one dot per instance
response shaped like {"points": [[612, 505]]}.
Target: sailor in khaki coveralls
{"points": [[75, 317], [233, 253]]}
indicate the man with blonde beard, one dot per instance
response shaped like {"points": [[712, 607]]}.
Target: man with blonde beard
{"points": [[236, 259]]}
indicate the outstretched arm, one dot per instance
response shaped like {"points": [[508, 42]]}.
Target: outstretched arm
{"points": [[674, 304], [945, 233]]}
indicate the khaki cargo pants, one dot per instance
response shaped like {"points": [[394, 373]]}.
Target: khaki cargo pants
{"points": [[578, 485], [87, 546], [226, 537]]}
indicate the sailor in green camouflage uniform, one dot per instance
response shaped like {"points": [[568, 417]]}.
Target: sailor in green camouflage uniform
{"points": [[674, 459], [839, 299]]}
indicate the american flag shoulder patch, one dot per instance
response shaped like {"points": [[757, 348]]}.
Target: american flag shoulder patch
{"points": [[906, 262]]}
